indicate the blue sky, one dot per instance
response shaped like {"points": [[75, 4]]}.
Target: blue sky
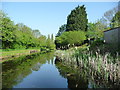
{"points": [[49, 16]]}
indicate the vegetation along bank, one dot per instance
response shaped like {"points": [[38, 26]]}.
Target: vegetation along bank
{"points": [[81, 44]]}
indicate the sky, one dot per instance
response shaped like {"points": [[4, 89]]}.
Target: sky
{"points": [[49, 16]]}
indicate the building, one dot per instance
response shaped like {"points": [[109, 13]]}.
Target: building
{"points": [[112, 37]]}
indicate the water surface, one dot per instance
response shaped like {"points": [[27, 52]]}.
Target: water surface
{"points": [[43, 71], [38, 72]]}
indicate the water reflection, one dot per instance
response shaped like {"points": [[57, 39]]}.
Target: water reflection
{"points": [[39, 71], [45, 71], [14, 71], [83, 77]]}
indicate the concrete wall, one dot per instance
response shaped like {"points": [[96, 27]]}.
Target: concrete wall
{"points": [[112, 37]]}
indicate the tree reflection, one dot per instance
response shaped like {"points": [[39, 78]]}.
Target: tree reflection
{"points": [[15, 70]]}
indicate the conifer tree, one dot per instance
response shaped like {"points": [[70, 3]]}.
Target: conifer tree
{"points": [[77, 19]]}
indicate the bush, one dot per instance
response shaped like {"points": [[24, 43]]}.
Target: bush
{"points": [[71, 37], [97, 42]]}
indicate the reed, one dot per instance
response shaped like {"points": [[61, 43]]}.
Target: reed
{"points": [[104, 66]]}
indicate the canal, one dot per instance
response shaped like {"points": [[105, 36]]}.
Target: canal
{"points": [[42, 71]]}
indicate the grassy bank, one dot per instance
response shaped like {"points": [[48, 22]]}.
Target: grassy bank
{"points": [[14, 52], [8, 55], [5, 54]]}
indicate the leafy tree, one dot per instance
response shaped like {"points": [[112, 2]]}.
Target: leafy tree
{"points": [[108, 15], [21, 36], [52, 37], [48, 41], [70, 38], [115, 22], [61, 30], [95, 30], [77, 19], [36, 33], [42, 40], [7, 28], [99, 28], [27, 38], [91, 30]]}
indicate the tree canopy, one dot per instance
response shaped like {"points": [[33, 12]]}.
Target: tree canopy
{"points": [[70, 38], [61, 29], [77, 19], [115, 22], [21, 36]]}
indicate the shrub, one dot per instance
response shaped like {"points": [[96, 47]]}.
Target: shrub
{"points": [[71, 37]]}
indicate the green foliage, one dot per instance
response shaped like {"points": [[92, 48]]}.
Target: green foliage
{"points": [[77, 20], [21, 36], [61, 30], [95, 30], [96, 43], [76, 25], [42, 40], [115, 22], [7, 28], [91, 30], [36, 33], [70, 38], [50, 42]]}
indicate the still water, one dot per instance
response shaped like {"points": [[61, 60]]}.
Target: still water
{"points": [[41, 71], [38, 72]]}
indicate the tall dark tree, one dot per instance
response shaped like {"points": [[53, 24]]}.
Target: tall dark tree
{"points": [[77, 19]]}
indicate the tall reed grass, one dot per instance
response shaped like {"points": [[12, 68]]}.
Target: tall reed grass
{"points": [[104, 66]]}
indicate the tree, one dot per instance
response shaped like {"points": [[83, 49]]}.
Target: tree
{"points": [[21, 36], [70, 38], [7, 28], [36, 33], [77, 19], [42, 40], [108, 15], [91, 30], [49, 43], [25, 39], [61, 29], [52, 37], [98, 29], [95, 30], [115, 22]]}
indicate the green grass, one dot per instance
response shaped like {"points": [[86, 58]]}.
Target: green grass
{"points": [[4, 53]]}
